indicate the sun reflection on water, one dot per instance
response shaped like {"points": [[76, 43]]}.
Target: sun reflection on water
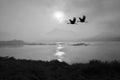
{"points": [[60, 54]]}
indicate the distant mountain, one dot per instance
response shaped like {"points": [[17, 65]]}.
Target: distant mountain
{"points": [[60, 34], [56, 32]]}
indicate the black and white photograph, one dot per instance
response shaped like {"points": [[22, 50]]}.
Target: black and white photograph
{"points": [[59, 39]]}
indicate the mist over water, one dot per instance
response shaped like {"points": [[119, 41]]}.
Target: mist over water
{"points": [[68, 53]]}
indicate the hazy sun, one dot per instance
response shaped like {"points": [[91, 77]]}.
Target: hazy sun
{"points": [[59, 15]]}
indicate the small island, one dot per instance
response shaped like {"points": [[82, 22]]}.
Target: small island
{"points": [[12, 42]]}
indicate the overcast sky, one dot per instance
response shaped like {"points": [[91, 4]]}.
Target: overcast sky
{"points": [[32, 20]]}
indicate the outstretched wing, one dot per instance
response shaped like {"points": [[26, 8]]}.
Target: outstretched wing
{"points": [[80, 19], [84, 17], [74, 20], [70, 20]]}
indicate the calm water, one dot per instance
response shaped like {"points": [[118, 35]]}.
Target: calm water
{"points": [[96, 50]]}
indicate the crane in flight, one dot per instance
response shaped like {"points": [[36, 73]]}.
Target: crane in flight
{"points": [[83, 19], [72, 21]]}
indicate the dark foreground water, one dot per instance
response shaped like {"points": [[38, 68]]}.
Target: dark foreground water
{"points": [[95, 50]]}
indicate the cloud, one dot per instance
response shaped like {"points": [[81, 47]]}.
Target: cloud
{"points": [[104, 14], [95, 7], [5, 35], [34, 17]]}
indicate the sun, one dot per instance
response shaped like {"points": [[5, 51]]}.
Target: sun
{"points": [[59, 15]]}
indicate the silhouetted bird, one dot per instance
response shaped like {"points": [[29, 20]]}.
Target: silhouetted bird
{"points": [[82, 20], [72, 21]]}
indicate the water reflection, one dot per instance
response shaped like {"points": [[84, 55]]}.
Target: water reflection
{"points": [[11, 46], [60, 54], [65, 51]]}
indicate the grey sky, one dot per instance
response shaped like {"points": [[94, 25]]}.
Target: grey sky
{"points": [[32, 20]]}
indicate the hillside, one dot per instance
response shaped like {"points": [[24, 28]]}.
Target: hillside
{"points": [[61, 35], [19, 69]]}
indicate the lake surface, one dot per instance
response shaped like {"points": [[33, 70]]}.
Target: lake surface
{"points": [[95, 50]]}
